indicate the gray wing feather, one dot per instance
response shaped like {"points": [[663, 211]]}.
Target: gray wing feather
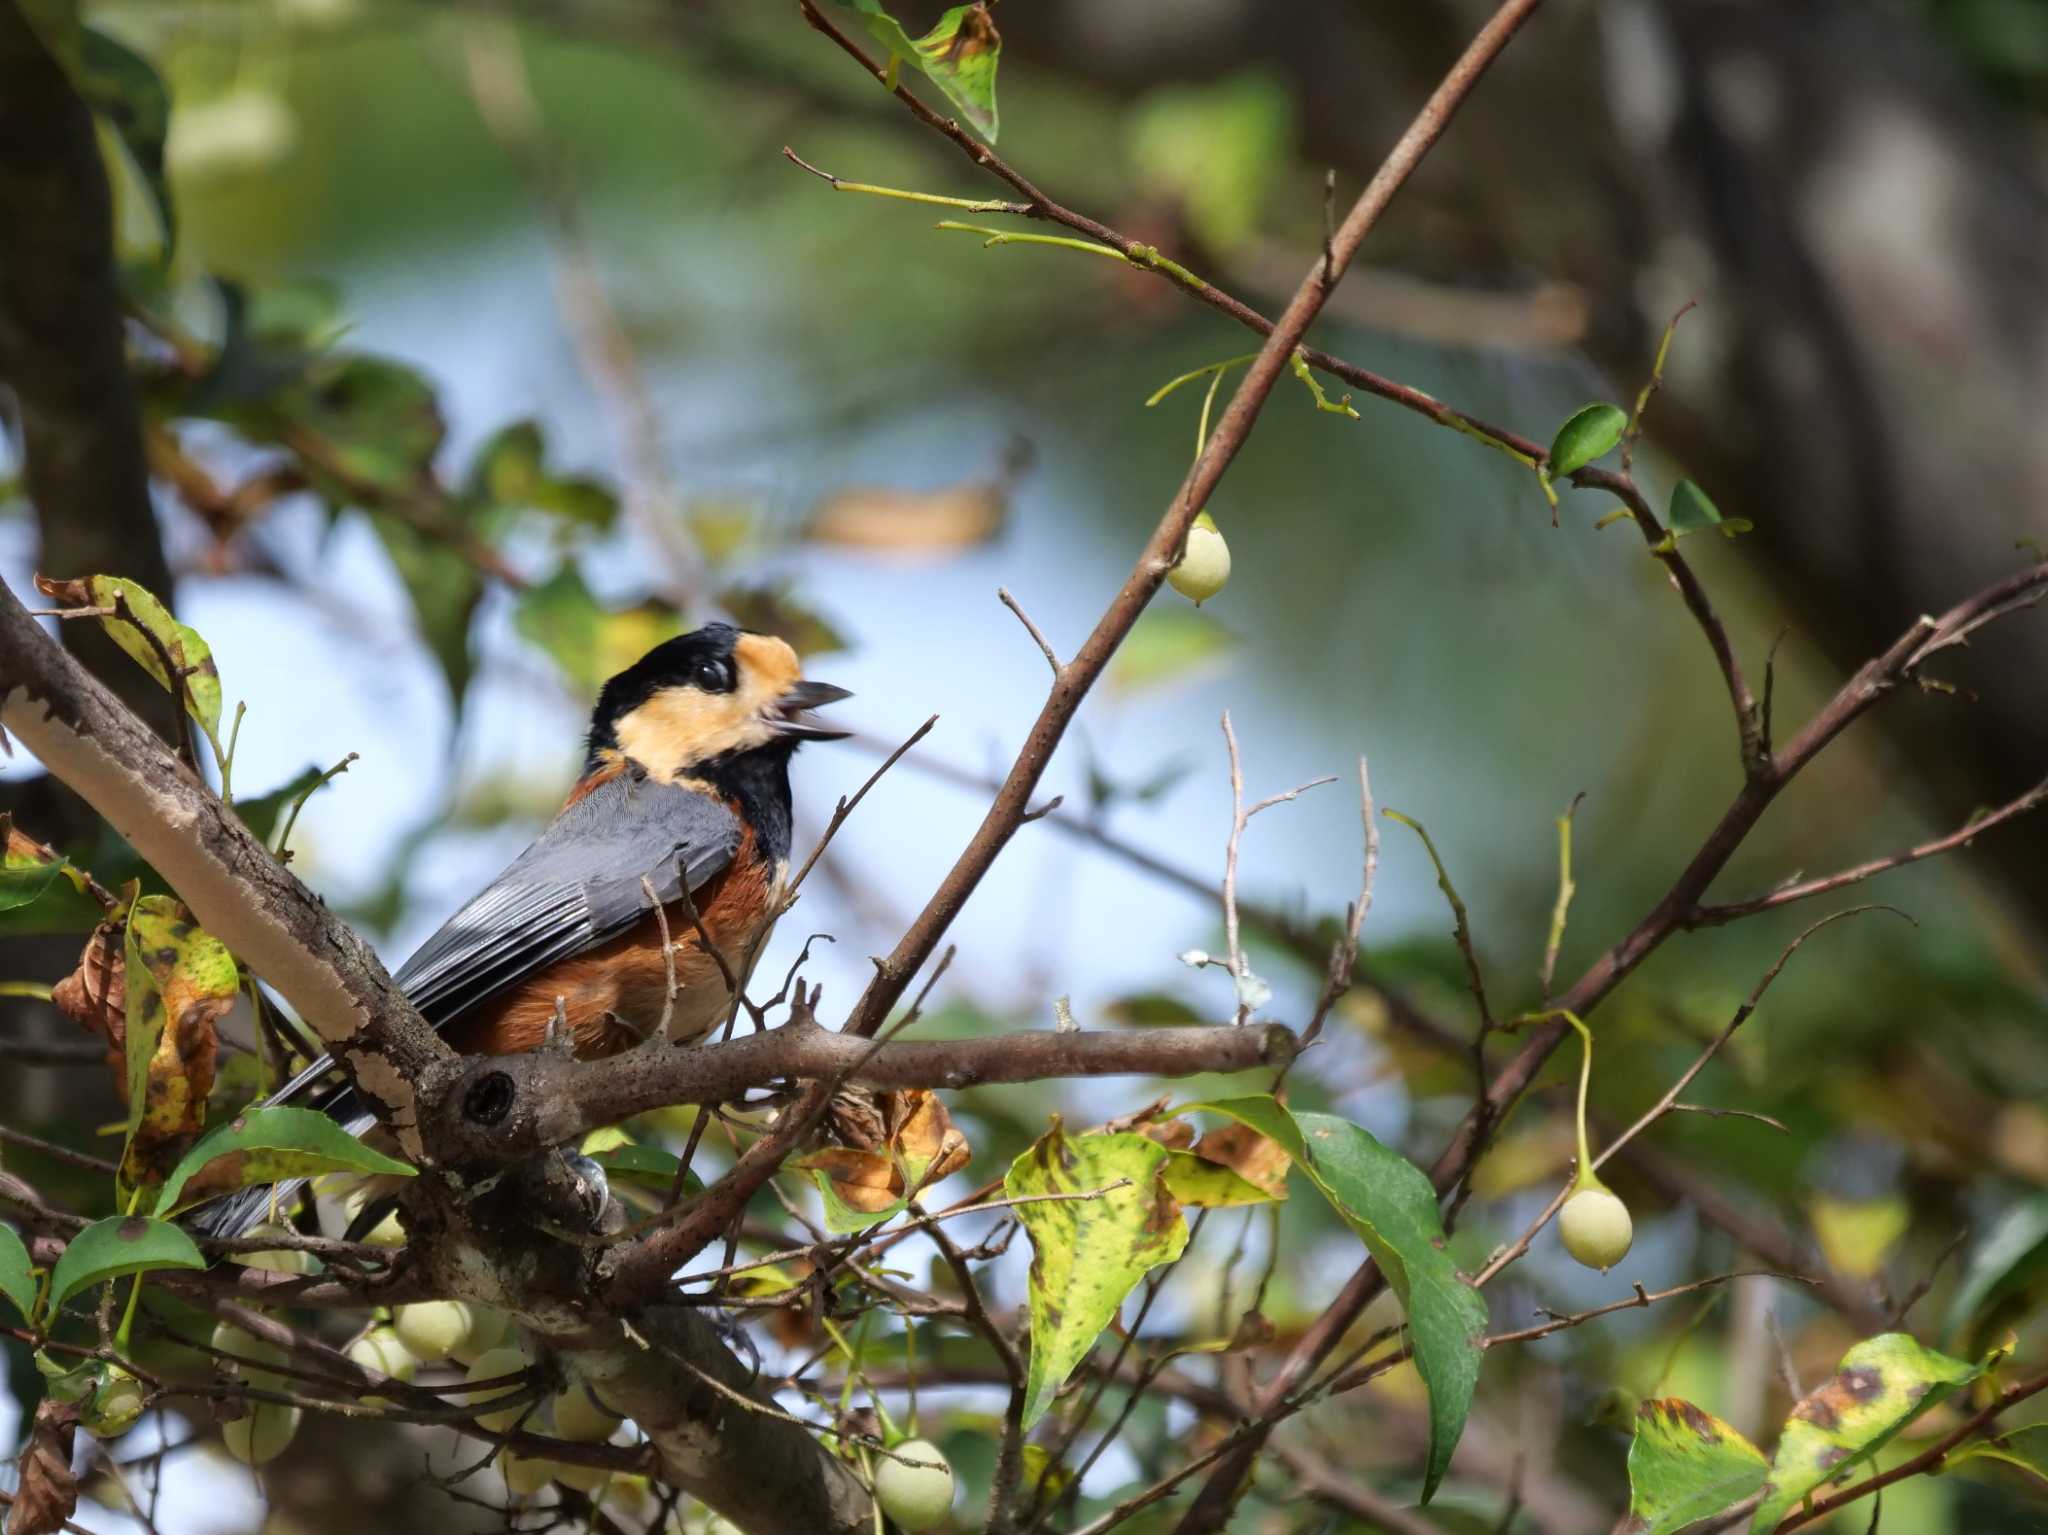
{"points": [[578, 885]]}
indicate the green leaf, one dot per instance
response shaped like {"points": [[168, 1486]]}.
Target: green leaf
{"points": [[1691, 510], [124, 88], [24, 877], [17, 1273], [1152, 1009], [149, 636], [118, 1245], [181, 980], [378, 421], [1221, 149], [2006, 1279], [1088, 1254], [588, 642], [1166, 645], [1881, 1385], [267, 1146], [645, 1164], [445, 591], [775, 610], [1387, 1201], [510, 470], [959, 56], [1591, 432], [1685, 1465], [1195, 1180], [2025, 1447]]}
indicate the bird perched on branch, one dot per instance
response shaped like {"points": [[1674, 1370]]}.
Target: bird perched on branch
{"points": [[676, 837]]}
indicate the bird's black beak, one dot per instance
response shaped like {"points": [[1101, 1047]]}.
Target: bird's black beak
{"points": [[808, 695]]}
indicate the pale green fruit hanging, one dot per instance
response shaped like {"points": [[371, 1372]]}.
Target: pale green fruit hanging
{"points": [[433, 1329], [1596, 1227], [489, 1365], [488, 1327], [280, 1261], [113, 1408], [262, 1433], [914, 1485], [1205, 563], [577, 1416], [524, 1477]]}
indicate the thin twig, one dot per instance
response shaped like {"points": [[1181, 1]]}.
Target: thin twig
{"points": [[846, 807], [1044, 645]]}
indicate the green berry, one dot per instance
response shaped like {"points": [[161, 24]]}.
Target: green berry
{"points": [[488, 1327], [578, 1416], [489, 1365], [114, 1406], [1596, 1227], [251, 1355], [262, 1433], [914, 1485], [280, 1261], [1204, 564], [525, 1477], [433, 1329]]}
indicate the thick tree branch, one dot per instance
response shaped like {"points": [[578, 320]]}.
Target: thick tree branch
{"points": [[239, 893], [63, 353], [509, 1107]]}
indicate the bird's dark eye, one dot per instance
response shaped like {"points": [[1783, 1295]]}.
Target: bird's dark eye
{"points": [[715, 676]]}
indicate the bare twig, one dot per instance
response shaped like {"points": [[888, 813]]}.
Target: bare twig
{"points": [[846, 807], [1044, 645], [1167, 539], [1344, 953], [1803, 890]]}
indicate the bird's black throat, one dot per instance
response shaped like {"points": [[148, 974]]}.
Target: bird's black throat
{"points": [[758, 781]]}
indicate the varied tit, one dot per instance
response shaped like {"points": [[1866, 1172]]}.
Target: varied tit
{"points": [[685, 788]]}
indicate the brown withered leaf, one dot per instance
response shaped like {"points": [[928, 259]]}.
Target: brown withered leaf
{"points": [[925, 1135], [855, 1115], [867, 1181], [95, 995], [1257, 1159], [918, 1145], [911, 522], [48, 1492], [181, 981], [1173, 1134]]}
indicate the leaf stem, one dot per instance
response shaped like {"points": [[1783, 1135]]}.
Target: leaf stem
{"points": [[1007, 237]]}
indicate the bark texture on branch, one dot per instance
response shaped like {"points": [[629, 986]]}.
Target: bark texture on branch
{"points": [[510, 1107], [239, 893]]}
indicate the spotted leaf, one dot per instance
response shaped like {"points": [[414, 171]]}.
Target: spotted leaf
{"points": [[1087, 1253], [1881, 1385], [181, 980], [1686, 1465]]}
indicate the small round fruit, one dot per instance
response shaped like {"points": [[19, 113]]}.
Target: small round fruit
{"points": [[1204, 564], [490, 1365], [251, 1354], [278, 1261], [1596, 1228], [579, 1417], [433, 1329], [382, 1350], [582, 1478], [262, 1433], [914, 1485], [525, 1477], [389, 1232], [488, 1327], [114, 1407]]}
